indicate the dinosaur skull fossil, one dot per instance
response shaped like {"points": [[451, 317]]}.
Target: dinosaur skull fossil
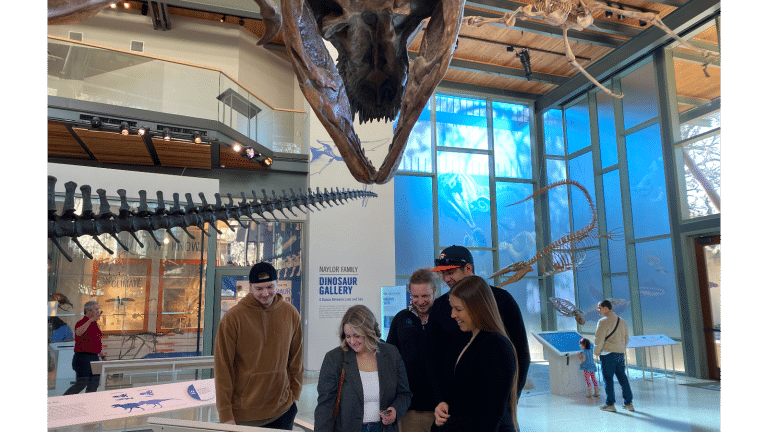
{"points": [[372, 78]]}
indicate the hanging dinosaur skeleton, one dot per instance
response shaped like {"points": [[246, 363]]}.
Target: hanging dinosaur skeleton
{"points": [[564, 254], [372, 78], [87, 223], [578, 15], [566, 308]]}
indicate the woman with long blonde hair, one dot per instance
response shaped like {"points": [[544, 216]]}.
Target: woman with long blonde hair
{"points": [[484, 383], [372, 395]]}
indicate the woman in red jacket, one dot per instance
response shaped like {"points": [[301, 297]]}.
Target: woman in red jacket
{"points": [[87, 349]]}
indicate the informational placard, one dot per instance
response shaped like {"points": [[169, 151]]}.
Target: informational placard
{"points": [[393, 300], [96, 407], [641, 341], [560, 342]]}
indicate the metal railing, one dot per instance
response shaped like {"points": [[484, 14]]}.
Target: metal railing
{"points": [[95, 73]]}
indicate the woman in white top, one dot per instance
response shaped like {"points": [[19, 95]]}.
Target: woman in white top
{"points": [[374, 392]]}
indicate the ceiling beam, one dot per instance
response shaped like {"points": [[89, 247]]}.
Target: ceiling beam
{"points": [[695, 58], [502, 71], [682, 20], [485, 91]]}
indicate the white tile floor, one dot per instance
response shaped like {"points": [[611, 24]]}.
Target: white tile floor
{"points": [[664, 404]]}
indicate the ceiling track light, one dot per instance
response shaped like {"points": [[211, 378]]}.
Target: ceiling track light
{"points": [[223, 18], [251, 153], [113, 5], [124, 129], [237, 147], [95, 122], [267, 161], [141, 131], [126, 5], [197, 137], [242, 22], [166, 134]]}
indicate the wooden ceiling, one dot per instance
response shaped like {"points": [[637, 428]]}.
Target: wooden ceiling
{"points": [[482, 62]]}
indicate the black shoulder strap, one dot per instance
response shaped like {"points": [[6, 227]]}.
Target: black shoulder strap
{"points": [[614, 329]]}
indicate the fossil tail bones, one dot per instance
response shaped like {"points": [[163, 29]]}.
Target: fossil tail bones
{"points": [[564, 254], [87, 223]]}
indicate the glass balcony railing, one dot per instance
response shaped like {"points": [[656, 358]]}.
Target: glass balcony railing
{"points": [[93, 73]]}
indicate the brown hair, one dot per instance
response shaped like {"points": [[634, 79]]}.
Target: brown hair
{"points": [[362, 320], [423, 276], [482, 309]]}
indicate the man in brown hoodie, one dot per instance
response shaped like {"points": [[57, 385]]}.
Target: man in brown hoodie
{"points": [[258, 353]]}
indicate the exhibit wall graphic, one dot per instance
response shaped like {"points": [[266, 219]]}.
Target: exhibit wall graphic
{"points": [[351, 250]]}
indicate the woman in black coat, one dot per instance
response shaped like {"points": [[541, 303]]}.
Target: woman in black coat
{"points": [[483, 387], [369, 364]]}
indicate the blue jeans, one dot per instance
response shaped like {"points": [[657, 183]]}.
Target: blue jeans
{"points": [[613, 363], [371, 427]]}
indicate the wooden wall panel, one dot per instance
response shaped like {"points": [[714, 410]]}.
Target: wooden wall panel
{"points": [[61, 143], [182, 154], [112, 147]]}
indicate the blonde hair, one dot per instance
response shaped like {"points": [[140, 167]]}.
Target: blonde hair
{"points": [[483, 311], [362, 320]]}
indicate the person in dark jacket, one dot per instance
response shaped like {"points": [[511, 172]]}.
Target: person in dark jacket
{"points": [[374, 394], [482, 388], [444, 338], [407, 332]]}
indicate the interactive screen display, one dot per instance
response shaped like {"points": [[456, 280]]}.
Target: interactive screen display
{"points": [[560, 342]]}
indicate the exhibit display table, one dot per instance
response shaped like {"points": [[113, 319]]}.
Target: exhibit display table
{"points": [[122, 404], [565, 377], [65, 375], [659, 340]]}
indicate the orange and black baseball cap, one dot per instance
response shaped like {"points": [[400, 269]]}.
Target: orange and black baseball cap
{"points": [[453, 257]]}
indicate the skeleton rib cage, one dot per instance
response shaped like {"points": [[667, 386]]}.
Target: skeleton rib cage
{"points": [[87, 223], [565, 253]]}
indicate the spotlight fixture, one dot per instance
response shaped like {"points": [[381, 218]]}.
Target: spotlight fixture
{"points": [[197, 138], [166, 134], [237, 147], [242, 22], [126, 5], [113, 5], [95, 122], [267, 161], [223, 18], [250, 153], [620, 17], [642, 23], [124, 128], [608, 14], [141, 131], [525, 59]]}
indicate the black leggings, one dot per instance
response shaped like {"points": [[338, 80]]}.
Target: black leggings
{"points": [[85, 379]]}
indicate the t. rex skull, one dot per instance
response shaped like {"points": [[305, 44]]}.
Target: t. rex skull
{"points": [[372, 79], [370, 37]]}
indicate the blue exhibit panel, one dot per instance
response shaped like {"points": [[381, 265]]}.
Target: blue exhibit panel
{"points": [[561, 342]]}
